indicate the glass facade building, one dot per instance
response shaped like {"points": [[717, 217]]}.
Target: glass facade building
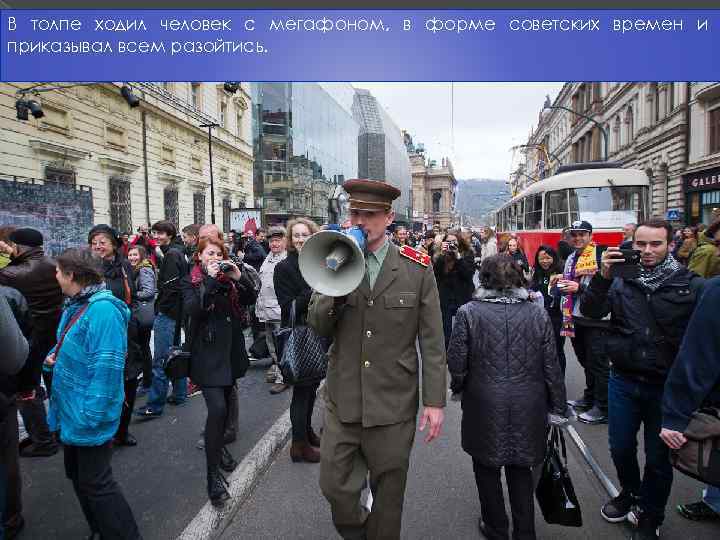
{"points": [[382, 154], [305, 142]]}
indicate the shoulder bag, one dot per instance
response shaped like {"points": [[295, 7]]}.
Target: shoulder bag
{"points": [[302, 353], [555, 492], [177, 362], [699, 457]]}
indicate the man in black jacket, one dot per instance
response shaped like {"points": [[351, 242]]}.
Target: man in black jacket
{"points": [[649, 315], [694, 382], [254, 253], [33, 274], [15, 330], [169, 310]]}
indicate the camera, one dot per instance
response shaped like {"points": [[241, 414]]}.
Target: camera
{"points": [[453, 246], [226, 267]]}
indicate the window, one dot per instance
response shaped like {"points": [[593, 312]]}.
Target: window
{"points": [[238, 125], [608, 207], [714, 131], [172, 211], [120, 212], [533, 212], [671, 96], [196, 163], [629, 125], [198, 207], [436, 197], [115, 137], [223, 112], [556, 209], [518, 218], [196, 96], [60, 176], [226, 206], [168, 155]]}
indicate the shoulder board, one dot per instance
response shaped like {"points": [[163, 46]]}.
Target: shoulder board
{"points": [[415, 255]]}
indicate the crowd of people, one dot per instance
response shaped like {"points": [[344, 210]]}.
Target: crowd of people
{"points": [[78, 328]]}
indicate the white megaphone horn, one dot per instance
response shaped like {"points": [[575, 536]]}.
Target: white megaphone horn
{"points": [[333, 262]]}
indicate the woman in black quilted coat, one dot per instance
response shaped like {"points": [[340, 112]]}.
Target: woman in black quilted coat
{"points": [[503, 359]]}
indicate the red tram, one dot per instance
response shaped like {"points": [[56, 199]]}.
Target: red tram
{"points": [[605, 195]]}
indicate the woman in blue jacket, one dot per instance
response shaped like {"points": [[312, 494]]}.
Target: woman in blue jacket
{"points": [[87, 398]]}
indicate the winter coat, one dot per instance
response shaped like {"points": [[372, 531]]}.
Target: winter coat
{"points": [[33, 274], [647, 328], [87, 392], [686, 249], [520, 258], [456, 286], [705, 261], [289, 286], [267, 307], [254, 254], [487, 248], [503, 358], [216, 338], [15, 327], [145, 282], [694, 380], [172, 270]]}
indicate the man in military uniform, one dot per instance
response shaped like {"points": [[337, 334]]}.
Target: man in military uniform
{"points": [[372, 388]]}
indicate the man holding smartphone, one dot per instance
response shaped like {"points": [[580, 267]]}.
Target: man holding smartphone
{"points": [[649, 311]]}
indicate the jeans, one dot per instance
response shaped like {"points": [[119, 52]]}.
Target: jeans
{"points": [[711, 496], [631, 404], [164, 329]]}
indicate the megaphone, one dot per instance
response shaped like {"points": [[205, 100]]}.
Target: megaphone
{"points": [[333, 262]]}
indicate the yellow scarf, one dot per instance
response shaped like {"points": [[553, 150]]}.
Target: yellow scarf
{"points": [[587, 261]]}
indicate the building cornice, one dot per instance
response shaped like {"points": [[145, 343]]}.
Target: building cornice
{"points": [[59, 149], [118, 164]]}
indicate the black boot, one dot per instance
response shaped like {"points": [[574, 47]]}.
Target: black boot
{"points": [[217, 492], [227, 462]]}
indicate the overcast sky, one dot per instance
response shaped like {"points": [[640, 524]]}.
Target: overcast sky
{"points": [[489, 118]]}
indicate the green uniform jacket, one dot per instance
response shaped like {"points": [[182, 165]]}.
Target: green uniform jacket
{"points": [[373, 369], [705, 261]]}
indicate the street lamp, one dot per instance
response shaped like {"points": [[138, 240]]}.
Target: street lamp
{"points": [[210, 127], [548, 105]]}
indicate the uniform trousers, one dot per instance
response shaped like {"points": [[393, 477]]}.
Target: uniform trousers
{"points": [[348, 452]]}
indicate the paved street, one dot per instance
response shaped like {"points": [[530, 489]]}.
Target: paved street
{"points": [[441, 500], [163, 477], [164, 481]]}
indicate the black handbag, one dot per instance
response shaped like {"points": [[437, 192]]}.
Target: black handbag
{"points": [[302, 353], [177, 362], [555, 493]]}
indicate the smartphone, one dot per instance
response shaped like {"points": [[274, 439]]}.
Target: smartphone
{"points": [[630, 267]]}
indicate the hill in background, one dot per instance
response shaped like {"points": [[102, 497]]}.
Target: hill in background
{"points": [[478, 196]]}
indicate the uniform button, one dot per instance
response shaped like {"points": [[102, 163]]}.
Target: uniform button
{"points": [[368, 333], [370, 303], [367, 363], [402, 301], [228, 319]]}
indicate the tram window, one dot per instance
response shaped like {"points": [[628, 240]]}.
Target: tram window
{"points": [[556, 209], [533, 212], [519, 217], [608, 207]]}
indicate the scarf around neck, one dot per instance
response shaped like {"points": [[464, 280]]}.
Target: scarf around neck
{"points": [[653, 278], [583, 264], [505, 296], [84, 295], [198, 277]]}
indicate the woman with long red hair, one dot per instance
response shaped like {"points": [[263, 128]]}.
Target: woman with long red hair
{"points": [[214, 294]]}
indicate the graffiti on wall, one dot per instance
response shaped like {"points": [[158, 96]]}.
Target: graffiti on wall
{"points": [[62, 213]]}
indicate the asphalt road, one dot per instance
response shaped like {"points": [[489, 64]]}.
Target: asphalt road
{"points": [[163, 478], [441, 498]]}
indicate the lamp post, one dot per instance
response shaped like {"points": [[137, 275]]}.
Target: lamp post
{"points": [[548, 105], [210, 127]]}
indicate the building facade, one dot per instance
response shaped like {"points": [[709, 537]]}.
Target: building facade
{"points": [[643, 126], [701, 181], [306, 143], [381, 151], [433, 189], [144, 163]]}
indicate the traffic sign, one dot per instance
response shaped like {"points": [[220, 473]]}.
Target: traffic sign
{"points": [[673, 215]]}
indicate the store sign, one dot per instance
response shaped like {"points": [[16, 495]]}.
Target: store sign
{"points": [[709, 179]]}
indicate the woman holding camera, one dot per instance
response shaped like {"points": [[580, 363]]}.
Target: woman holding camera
{"points": [[454, 264], [145, 279], [548, 268], [213, 295]]}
